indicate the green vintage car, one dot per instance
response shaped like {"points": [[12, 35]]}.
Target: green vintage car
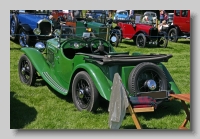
{"points": [[100, 27], [85, 66]]}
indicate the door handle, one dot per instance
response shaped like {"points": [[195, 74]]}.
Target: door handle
{"points": [[187, 21]]}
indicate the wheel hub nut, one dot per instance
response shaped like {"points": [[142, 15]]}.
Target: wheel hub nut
{"points": [[81, 93]]}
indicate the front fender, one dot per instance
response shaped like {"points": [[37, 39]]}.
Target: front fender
{"points": [[36, 58], [26, 27], [101, 82]]}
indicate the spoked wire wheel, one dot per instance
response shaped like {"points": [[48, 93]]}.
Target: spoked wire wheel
{"points": [[26, 70], [84, 92], [146, 77]]}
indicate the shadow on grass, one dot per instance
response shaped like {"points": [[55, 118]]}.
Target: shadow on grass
{"points": [[67, 97], [146, 46], [166, 108], [186, 41], [103, 104], [15, 49], [20, 113]]}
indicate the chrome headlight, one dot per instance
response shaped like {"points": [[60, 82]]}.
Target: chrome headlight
{"points": [[76, 45], [40, 46], [37, 31]]}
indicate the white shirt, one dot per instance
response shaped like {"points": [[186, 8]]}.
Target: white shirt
{"points": [[66, 11]]}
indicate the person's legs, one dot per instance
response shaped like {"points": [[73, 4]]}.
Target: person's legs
{"points": [[161, 21]]}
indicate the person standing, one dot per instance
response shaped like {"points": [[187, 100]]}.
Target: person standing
{"points": [[76, 14], [131, 13], [166, 16], [162, 13]]}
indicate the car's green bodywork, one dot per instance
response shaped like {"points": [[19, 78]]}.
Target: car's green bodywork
{"points": [[99, 29], [61, 61]]}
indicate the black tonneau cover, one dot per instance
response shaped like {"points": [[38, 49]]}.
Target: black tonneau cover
{"points": [[126, 59]]}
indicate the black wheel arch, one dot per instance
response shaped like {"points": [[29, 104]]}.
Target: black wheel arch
{"points": [[141, 31], [26, 27], [116, 30], [174, 26]]}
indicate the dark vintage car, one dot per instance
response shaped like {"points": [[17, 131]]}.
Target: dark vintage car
{"points": [[24, 22], [96, 14], [85, 66], [140, 33], [181, 25], [100, 27]]}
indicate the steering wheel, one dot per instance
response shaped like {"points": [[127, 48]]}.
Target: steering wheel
{"points": [[100, 48]]}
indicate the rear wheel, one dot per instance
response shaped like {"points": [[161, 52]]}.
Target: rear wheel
{"points": [[173, 35], [146, 77], [141, 40], [13, 27], [84, 93], [26, 70]]}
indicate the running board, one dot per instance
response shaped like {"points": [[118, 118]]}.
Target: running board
{"points": [[54, 84]]}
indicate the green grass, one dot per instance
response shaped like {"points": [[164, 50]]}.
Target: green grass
{"points": [[40, 107]]}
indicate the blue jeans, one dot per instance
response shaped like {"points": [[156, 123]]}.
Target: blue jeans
{"points": [[161, 20]]}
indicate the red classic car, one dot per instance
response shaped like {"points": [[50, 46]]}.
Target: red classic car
{"points": [[59, 13], [140, 33], [180, 27]]}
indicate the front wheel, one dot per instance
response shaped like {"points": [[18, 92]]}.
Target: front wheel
{"points": [[84, 93], [162, 41], [141, 40], [26, 70], [23, 38]]}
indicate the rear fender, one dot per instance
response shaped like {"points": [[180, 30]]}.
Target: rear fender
{"points": [[102, 84], [172, 84], [174, 26]]}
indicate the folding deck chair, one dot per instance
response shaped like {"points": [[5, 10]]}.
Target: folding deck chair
{"points": [[121, 103]]}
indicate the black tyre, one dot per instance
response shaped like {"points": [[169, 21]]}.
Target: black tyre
{"points": [[84, 93], [26, 70], [143, 73], [13, 27], [23, 38], [173, 35], [141, 40], [162, 41], [117, 41]]}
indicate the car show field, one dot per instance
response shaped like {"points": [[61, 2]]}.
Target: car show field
{"points": [[65, 82]]}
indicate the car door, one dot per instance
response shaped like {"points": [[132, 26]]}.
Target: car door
{"points": [[127, 30], [185, 20], [182, 19]]}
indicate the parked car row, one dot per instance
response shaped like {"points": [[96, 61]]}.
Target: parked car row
{"points": [[141, 29]]}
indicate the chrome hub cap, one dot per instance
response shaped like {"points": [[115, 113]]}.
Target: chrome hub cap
{"points": [[151, 84]]}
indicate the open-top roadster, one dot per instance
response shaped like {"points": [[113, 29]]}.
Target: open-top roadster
{"points": [[140, 32], [85, 66]]}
